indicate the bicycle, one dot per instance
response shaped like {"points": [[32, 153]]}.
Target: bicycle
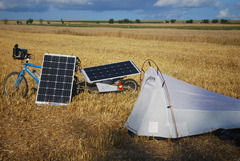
{"points": [[15, 83]]}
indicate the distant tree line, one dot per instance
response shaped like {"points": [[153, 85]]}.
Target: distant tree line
{"points": [[62, 21], [127, 21], [29, 21], [5, 21], [223, 21], [19, 22], [189, 21], [205, 21], [170, 21], [111, 21]]}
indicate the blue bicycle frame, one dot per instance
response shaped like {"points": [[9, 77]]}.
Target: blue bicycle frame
{"points": [[29, 72]]}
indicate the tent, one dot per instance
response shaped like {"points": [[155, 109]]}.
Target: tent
{"points": [[170, 108]]}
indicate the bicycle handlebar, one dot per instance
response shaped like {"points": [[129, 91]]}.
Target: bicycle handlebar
{"points": [[28, 56]]}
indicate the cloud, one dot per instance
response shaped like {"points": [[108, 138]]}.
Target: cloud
{"points": [[162, 3], [224, 13], [193, 3], [183, 3], [151, 9], [69, 4], [96, 5], [24, 5], [174, 14], [2, 6], [76, 2], [102, 5], [238, 4], [39, 5]]}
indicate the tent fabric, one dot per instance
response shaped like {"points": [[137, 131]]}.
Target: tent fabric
{"points": [[194, 109], [187, 96]]}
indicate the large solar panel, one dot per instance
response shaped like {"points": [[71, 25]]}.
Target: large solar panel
{"points": [[56, 80], [109, 71]]}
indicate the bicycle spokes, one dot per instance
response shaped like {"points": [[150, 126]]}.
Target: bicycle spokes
{"points": [[15, 87]]}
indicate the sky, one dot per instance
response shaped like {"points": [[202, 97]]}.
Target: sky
{"points": [[119, 9]]}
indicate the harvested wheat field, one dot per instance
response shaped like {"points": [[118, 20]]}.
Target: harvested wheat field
{"points": [[91, 127]]}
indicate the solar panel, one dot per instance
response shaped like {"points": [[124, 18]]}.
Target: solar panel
{"points": [[56, 80], [109, 71]]}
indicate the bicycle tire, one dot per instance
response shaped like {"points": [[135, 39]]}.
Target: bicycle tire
{"points": [[130, 85], [12, 91]]}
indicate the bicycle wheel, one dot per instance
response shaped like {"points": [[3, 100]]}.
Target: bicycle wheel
{"points": [[14, 92], [130, 85]]}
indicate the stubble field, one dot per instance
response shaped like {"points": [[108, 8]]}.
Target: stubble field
{"points": [[91, 127]]}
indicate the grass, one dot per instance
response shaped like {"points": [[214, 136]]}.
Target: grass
{"points": [[226, 37], [91, 127], [134, 26], [130, 26]]}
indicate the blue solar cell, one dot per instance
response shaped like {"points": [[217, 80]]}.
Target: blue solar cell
{"points": [[58, 92], [62, 65], [61, 72], [70, 60], [55, 59], [60, 78], [47, 64], [47, 57], [67, 86], [63, 59], [59, 85]]}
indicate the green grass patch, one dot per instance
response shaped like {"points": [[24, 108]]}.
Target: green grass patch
{"points": [[130, 26]]}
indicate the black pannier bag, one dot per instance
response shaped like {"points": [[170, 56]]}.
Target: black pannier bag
{"points": [[19, 53]]}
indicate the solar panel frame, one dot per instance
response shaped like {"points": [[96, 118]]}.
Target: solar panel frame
{"points": [[61, 94], [87, 78]]}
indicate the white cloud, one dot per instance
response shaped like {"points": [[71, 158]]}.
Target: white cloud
{"points": [[10, 4], [191, 3], [7, 5], [183, 3], [28, 4], [81, 2], [223, 13], [175, 14], [2, 6], [161, 3]]}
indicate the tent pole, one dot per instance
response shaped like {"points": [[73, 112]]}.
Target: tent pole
{"points": [[169, 99]]}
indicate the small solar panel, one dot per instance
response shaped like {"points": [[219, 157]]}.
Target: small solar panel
{"points": [[109, 71], [56, 80]]}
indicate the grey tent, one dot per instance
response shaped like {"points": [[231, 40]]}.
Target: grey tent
{"points": [[179, 109]]}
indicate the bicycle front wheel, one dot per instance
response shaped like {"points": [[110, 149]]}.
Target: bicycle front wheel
{"points": [[20, 90]]}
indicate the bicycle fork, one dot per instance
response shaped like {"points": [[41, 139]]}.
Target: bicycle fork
{"points": [[20, 78]]}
